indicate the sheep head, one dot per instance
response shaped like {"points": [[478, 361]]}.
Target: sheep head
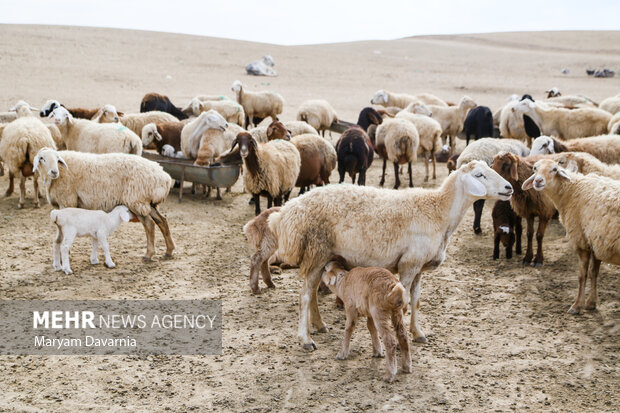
{"points": [[467, 103], [23, 109], [421, 109], [506, 164], [246, 144], [107, 114], [49, 107], [277, 130], [237, 86], [547, 173], [46, 163], [149, 134], [61, 116], [553, 92], [542, 145], [380, 98], [481, 182]]}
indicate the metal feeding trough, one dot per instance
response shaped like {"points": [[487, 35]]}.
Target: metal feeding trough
{"points": [[221, 176]]}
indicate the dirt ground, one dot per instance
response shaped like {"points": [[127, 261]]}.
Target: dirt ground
{"points": [[500, 338]]}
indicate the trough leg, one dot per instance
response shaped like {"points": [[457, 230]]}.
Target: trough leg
{"points": [[593, 274], [149, 229], [182, 181], [162, 223], [218, 194], [584, 262]]}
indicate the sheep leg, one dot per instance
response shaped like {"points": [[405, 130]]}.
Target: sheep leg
{"points": [[22, 191], [381, 323], [228, 190], [56, 262], [403, 341], [341, 172], [94, 260], [218, 195], [256, 198], [11, 187], [106, 252], [65, 246], [149, 229], [288, 194], [593, 274], [269, 201], [397, 178], [518, 234], [383, 173], [162, 223], [266, 273], [478, 206], [256, 262], [36, 191], [511, 241], [303, 332], [377, 350], [496, 245], [315, 315], [208, 194], [426, 158], [418, 335], [529, 253], [348, 330], [584, 262], [434, 163], [540, 235], [411, 176]]}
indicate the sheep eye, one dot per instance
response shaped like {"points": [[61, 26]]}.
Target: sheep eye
{"points": [[555, 169], [479, 175]]}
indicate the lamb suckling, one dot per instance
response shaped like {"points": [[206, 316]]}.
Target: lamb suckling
{"points": [[589, 210], [263, 242], [410, 232], [374, 293], [104, 181], [78, 222]]}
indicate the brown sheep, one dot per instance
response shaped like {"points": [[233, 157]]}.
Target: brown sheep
{"points": [[527, 204], [264, 243], [377, 294], [160, 134], [507, 228]]}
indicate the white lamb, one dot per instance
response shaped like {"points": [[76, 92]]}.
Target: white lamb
{"points": [[78, 222]]}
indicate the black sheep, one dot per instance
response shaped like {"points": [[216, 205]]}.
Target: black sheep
{"points": [[355, 154], [507, 228], [368, 116], [479, 123], [155, 101]]}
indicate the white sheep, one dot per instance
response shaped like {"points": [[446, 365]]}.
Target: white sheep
{"points": [[485, 150], [231, 111], [595, 235], [295, 127], [104, 181], [401, 140], [258, 104], [318, 113], [611, 104], [214, 143], [87, 136], [450, 118], [21, 140], [192, 132], [78, 222], [430, 133], [403, 231], [263, 67], [605, 148], [565, 123], [134, 121], [20, 109], [614, 124], [271, 168], [402, 100]]}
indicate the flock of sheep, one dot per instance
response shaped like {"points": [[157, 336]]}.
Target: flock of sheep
{"points": [[536, 158]]}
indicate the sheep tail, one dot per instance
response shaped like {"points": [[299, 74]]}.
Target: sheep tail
{"points": [[397, 297]]}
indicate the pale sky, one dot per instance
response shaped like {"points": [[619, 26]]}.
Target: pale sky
{"points": [[291, 22]]}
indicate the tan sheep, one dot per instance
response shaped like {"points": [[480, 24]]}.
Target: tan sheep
{"points": [[605, 148], [295, 127], [430, 133], [214, 142], [192, 132], [318, 113], [586, 164], [402, 100], [565, 123], [611, 104], [376, 294], [613, 126], [21, 140], [258, 104], [263, 242], [595, 235], [401, 140], [231, 111]]}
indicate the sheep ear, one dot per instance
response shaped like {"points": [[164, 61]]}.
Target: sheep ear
{"points": [[572, 166], [35, 163], [531, 128], [125, 216], [528, 184], [158, 136], [62, 162], [332, 280], [473, 186], [562, 173], [235, 142], [514, 173]]}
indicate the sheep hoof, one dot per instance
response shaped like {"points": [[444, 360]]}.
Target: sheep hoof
{"points": [[388, 378], [538, 264], [168, 256], [590, 306], [111, 265], [420, 339], [574, 310], [94, 262], [378, 355], [147, 259], [57, 268], [256, 291], [407, 368], [36, 205], [323, 329], [477, 230], [68, 271], [271, 285], [342, 356], [527, 261], [310, 346], [20, 206]]}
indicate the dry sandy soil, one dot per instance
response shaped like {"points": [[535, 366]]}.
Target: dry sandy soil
{"points": [[499, 334]]}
